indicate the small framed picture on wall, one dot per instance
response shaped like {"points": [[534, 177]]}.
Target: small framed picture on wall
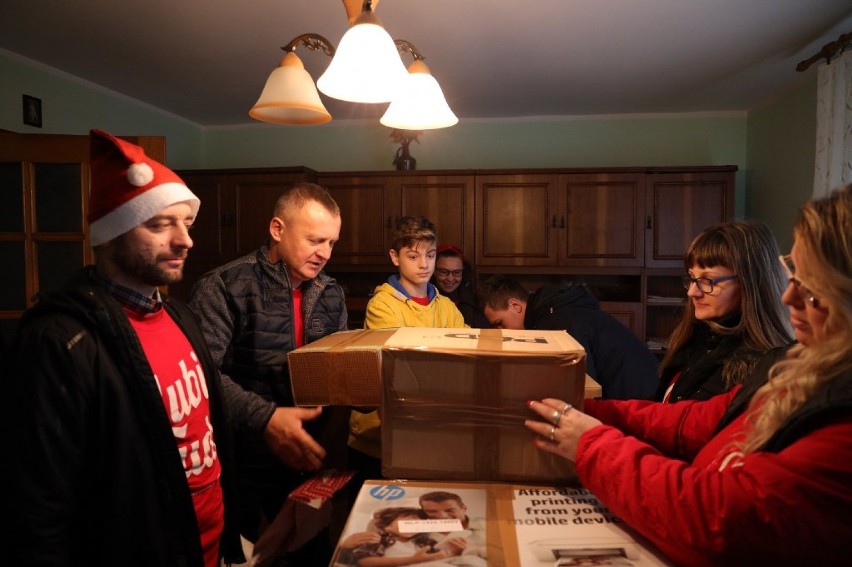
{"points": [[32, 111]]}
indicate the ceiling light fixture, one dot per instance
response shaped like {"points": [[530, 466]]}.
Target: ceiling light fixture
{"points": [[366, 68], [419, 103]]}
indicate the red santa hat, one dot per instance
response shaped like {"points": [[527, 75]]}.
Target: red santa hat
{"points": [[128, 187]]}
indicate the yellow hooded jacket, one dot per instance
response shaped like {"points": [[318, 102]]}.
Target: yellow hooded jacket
{"points": [[389, 308]]}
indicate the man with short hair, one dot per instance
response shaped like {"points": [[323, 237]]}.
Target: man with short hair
{"points": [[623, 366], [441, 505], [114, 436], [254, 310]]}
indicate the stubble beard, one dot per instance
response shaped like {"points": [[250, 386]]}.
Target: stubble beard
{"points": [[142, 269]]}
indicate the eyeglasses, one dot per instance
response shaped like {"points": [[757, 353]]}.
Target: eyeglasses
{"points": [[705, 284], [442, 273], [804, 293]]}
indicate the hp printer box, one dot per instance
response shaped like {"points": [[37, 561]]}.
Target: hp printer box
{"points": [[505, 525]]}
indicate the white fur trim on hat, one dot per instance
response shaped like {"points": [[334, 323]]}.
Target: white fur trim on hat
{"points": [[140, 209]]}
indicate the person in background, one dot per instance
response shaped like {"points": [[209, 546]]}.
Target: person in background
{"points": [[452, 278], [733, 314], [758, 475], [114, 433], [254, 310], [406, 299], [615, 357]]}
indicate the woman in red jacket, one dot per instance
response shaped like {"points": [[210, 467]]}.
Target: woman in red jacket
{"points": [[761, 474]]}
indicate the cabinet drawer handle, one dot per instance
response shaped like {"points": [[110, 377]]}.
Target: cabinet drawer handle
{"points": [[553, 222], [562, 222]]}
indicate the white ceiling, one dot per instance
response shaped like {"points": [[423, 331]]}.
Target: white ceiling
{"points": [[207, 60]]}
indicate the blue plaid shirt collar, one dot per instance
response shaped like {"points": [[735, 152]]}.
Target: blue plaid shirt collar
{"points": [[130, 299]]}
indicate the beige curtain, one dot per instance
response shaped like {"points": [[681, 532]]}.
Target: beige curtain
{"points": [[834, 125]]}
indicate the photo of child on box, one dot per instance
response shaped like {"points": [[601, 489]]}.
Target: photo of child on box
{"points": [[392, 525]]}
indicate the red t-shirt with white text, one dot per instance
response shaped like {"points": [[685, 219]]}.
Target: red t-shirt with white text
{"points": [[181, 382]]}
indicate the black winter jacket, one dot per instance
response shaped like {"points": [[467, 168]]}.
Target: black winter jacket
{"points": [[832, 402], [89, 453], [467, 303], [247, 313], [710, 364], [615, 357]]}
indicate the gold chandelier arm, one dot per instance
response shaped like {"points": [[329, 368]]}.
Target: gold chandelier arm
{"points": [[312, 41], [404, 47]]}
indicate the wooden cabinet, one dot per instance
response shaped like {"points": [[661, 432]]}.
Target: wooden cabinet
{"points": [[681, 204], [236, 207], [560, 219], [622, 231], [514, 213], [582, 224], [44, 236], [372, 203]]}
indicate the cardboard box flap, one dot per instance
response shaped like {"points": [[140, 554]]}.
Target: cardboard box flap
{"points": [[483, 341]]}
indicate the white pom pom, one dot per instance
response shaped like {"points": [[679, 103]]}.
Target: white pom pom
{"points": [[140, 174]]}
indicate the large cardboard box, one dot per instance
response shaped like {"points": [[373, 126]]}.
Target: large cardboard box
{"points": [[455, 407], [345, 368], [502, 525], [452, 400]]}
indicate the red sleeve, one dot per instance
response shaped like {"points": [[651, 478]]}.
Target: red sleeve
{"points": [[791, 507], [676, 430]]}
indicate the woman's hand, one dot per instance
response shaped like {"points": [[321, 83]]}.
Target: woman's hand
{"points": [[562, 427]]}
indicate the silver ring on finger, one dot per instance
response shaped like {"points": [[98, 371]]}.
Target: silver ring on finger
{"points": [[552, 433], [566, 409], [554, 417]]}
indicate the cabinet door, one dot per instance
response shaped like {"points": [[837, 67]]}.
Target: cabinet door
{"points": [[44, 189], [371, 205], [517, 220], [600, 219], [445, 200], [679, 206], [368, 209]]}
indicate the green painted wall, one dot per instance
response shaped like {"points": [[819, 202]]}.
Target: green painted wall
{"points": [[73, 106], [773, 146], [781, 157], [552, 142]]}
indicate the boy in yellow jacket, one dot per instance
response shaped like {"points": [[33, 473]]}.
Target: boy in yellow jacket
{"points": [[405, 300]]}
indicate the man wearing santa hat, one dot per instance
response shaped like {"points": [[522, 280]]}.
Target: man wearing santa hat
{"points": [[115, 443]]}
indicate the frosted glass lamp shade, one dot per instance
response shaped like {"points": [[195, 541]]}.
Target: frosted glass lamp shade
{"points": [[366, 66], [420, 103], [290, 96]]}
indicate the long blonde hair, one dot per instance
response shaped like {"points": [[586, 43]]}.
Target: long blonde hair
{"points": [[823, 236]]}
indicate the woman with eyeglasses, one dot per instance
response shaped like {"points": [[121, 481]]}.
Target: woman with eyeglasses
{"points": [[733, 314], [452, 279], [760, 475]]}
